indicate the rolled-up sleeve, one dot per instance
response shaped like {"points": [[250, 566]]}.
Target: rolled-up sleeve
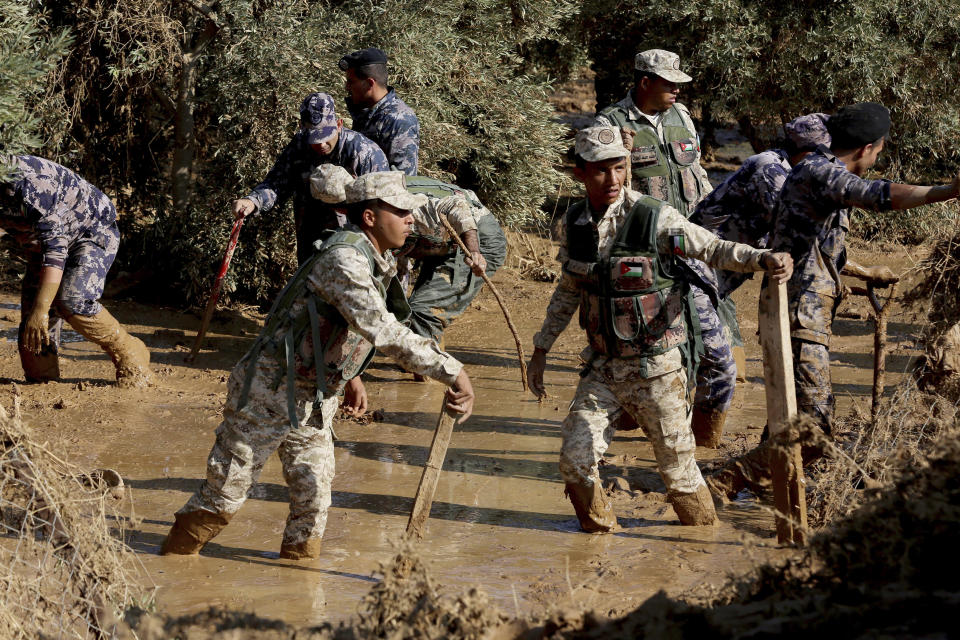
{"points": [[342, 277]]}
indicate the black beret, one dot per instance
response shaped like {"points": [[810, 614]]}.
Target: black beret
{"points": [[859, 124], [362, 58]]}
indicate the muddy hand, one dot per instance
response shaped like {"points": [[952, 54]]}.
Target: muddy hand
{"points": [[354, 398], [460, 396], [243, 207], [538, 362], [477, 263], [627, 135], [779, 266], [35, 336], [881, 275]]}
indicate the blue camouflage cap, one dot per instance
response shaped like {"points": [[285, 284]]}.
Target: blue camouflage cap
{"points": [[318, 117], [808, 132]]}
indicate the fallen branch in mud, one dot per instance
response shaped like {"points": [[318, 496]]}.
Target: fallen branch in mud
{"points": [[496, 294]]}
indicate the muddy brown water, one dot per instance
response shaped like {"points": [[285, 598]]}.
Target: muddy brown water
{"points": [[499, 518]]}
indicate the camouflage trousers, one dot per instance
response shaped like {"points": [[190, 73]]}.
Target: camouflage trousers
{"points": [[446, 285], [659, 404], [811, 371], [249, 435], [717, 371]]}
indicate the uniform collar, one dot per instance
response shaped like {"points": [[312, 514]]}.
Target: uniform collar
{"points": [[612, 210], [366, 112], [634, 112]]}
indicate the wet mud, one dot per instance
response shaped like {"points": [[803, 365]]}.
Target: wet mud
{"points": [[499, 518]]}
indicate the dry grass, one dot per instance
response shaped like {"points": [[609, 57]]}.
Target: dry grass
{"points": [[67, 572]]}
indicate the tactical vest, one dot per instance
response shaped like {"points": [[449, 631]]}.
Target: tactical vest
{"points": [[663, 170], [631, 305], [418, 245], [316, 343]]}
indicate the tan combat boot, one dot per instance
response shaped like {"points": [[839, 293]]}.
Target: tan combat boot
{"points": [[593, 509], [694, 508], [191, 531], [749, 471], [707, 427], [309, 548], [130, 356]]}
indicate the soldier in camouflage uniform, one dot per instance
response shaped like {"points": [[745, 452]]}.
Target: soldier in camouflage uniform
{"points": [[68, 229], [376, 110], [447, 280], [321, 139], [741, 210], [343, 303], [617, 254], [812, 219]]}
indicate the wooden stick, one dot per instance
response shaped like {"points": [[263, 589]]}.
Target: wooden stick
{"points": [[496, 294], [879, 341], [212, 304], [431, 472], [786, 464]]}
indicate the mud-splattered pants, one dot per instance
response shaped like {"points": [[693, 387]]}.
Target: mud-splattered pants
{"points": [[811, 371], [717, 371], [446, 285], [659, 404], [249, 435]]}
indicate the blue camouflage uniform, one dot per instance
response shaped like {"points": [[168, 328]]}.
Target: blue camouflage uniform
{"points": [[290, 175], [394, 126], [64, 222], [812, 219], [741, 210]]}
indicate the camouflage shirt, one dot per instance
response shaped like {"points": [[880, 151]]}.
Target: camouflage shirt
{"points": [[741, 209], [342, 277], [392, 125], [290, 174], [459, 212], [49, 208], [698, 242]]}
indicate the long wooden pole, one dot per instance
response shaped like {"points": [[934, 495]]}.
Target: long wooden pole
{"points": [[496, 294], [431, 472], [785, 462], [879, 340]]}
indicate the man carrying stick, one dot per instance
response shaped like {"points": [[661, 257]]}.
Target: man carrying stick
{"points": [[618, 251], [342, 303], [812, 219]]}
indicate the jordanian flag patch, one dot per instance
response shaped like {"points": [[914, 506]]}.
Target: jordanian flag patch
{"points": [[678, 245], [631, 270], [687, 146]]}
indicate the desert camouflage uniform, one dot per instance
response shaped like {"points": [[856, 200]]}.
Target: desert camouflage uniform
{"points": [[392, 125], [445, 285], [652, 389], [248, 435], [741, 210], [812, 219], [290, 175]]}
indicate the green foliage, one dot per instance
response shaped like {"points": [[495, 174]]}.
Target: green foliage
{"points": [[762, 63], [26, 59]]}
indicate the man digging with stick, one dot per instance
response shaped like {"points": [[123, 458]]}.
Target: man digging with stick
{"points": [[343, 303], [618, 254]]}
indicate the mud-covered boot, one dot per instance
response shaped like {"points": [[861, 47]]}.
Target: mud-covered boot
{"points": [[43, 366], [191, 531], [129, 355], [749, 471], [707, 427], [309, 548], [694, 508], [740, 359], [593, 509]]}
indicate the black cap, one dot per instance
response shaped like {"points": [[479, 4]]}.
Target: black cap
{"points": [[357, 59], [858, 124]]}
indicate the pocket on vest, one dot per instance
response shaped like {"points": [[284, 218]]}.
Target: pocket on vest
{"points": [[691, 186], [630, 274], [684, 152], [641, 157]]}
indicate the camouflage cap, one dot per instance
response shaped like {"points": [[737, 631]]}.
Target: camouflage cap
{"points": [[328, 183], [318, 117], [389, 186], [594, 144], [808, 132], [662, 63]]}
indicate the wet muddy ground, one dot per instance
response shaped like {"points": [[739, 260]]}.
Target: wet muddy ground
{"points": [[499, 519]]}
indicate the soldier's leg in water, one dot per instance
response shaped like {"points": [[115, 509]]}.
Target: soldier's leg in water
{"points": [[306, 455], [727, 310], [716, 375], [43, 366], [586, 433], [244, 440], [79, 303], [659, 403]]}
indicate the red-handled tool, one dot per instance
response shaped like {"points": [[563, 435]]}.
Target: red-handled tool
{"points": [[218, 283]]}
